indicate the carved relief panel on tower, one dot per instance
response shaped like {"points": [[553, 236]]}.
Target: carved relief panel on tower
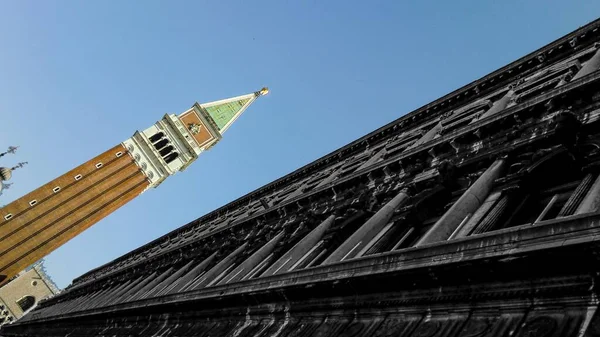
{"points": [[198, 127]]}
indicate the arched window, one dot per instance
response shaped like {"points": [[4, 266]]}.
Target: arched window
{"points": [[172, 156], [166, 150], [155, 137], [161, 143], [26, 302]]}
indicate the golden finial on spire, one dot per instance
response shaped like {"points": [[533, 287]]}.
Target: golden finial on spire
{"points": [[263, 91]]}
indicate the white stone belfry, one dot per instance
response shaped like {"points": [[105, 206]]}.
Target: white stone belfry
{"points": [[175, 141]]}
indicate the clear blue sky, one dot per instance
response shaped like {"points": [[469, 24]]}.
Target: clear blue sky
{"points": [[77, 77]]}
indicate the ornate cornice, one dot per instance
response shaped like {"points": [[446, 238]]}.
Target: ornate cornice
{"points": [[430, 266]]}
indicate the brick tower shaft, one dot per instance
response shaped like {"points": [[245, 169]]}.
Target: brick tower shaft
{"points": [[34, 225]]}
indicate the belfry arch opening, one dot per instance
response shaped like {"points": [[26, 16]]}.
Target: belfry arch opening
{"points": [[156, 137]]}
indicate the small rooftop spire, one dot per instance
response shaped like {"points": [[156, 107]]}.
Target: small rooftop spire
{"points": [[6, 173], [11, 150], [4, 186], [19, 165]]}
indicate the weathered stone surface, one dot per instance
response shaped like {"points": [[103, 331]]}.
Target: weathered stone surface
{"points": [[591, 202], [290, 258], [363, 236], [466, 205]]}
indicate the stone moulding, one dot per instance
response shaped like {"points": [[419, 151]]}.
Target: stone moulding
{"points": [[580, 231]]}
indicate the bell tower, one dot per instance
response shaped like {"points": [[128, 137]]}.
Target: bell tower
{"points": [[34, 225]]}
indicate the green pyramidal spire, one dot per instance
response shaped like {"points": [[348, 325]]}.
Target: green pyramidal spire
{"points": [[225, 112]]}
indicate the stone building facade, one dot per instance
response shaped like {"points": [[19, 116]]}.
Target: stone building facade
{"points": [[475, 215], [23, 292]]}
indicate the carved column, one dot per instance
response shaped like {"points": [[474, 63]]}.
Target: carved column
{"points": [[109, 296], [310, 256], [499, 105], [95, 299], [287, 260], [83, 299], [359, 239], [479, 214], [378, 242], [140, 294], [115, 298], [577, 196], [128, 294], [466, 204], [169, 281], [590, 66], [257, 270], [187, 279], [91, 299], [592, 199], [218, 269], [133, 284], [77, 302], [429, 135], [252, 261], [151, 285], [491, 219]]}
